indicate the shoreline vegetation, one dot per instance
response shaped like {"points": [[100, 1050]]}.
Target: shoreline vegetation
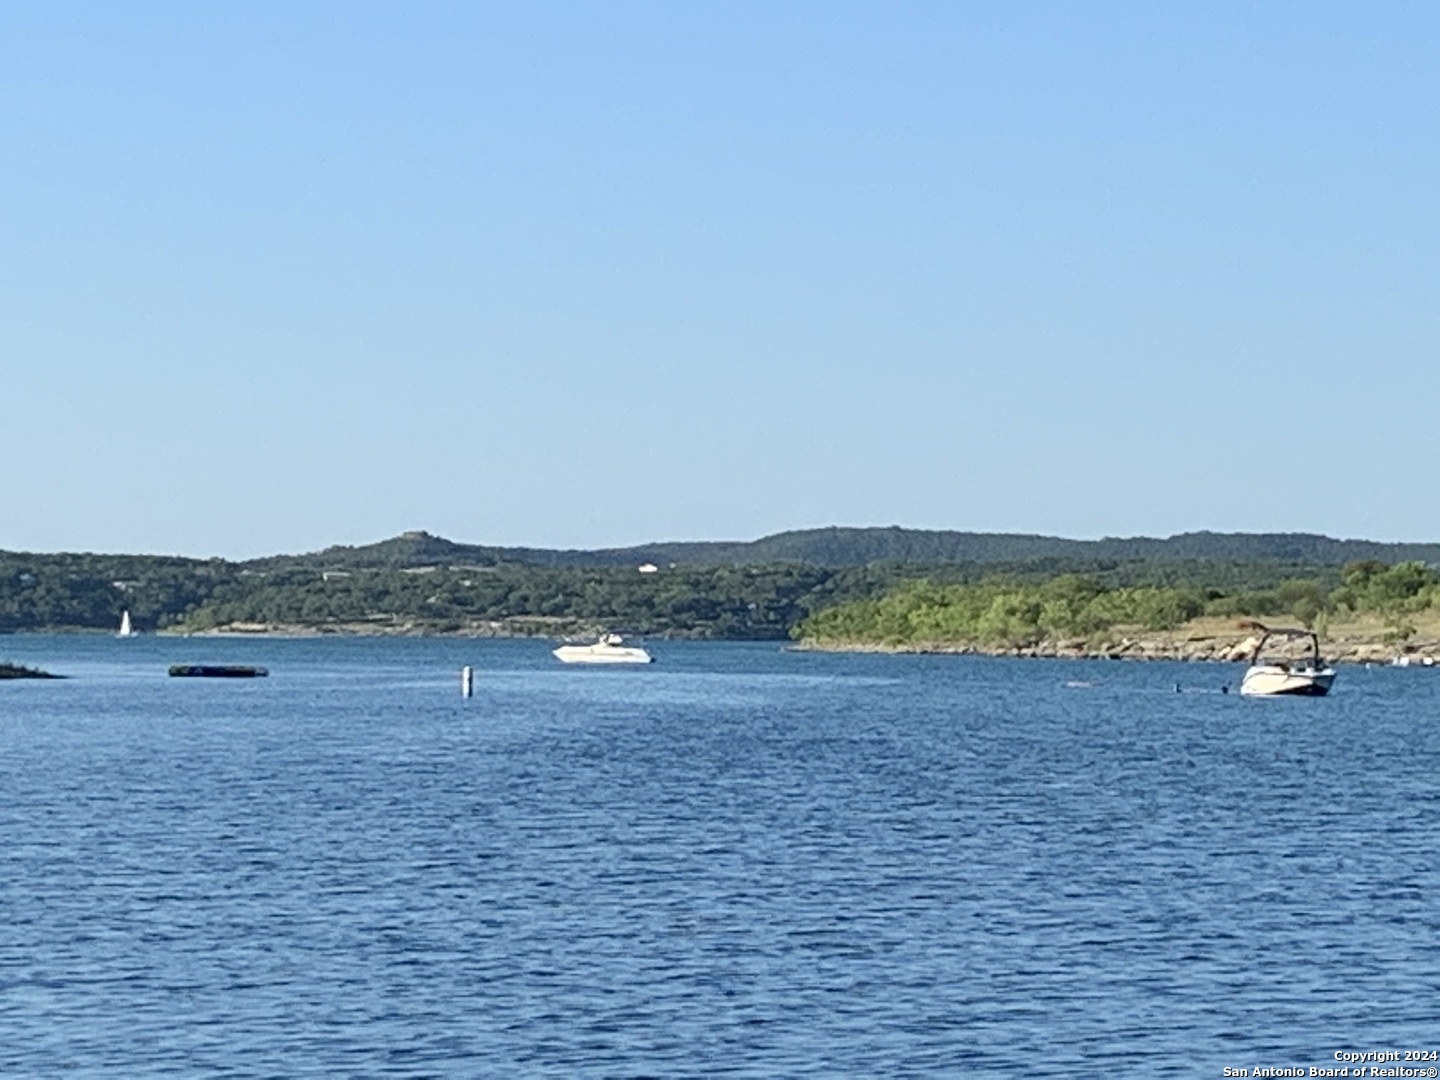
{"points": [[874, 589], [1377, 614]]}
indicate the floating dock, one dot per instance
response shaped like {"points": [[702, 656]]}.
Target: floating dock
{"points": [[217, 671]]}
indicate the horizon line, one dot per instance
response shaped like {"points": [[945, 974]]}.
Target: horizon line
{"points": [[728, 542]]}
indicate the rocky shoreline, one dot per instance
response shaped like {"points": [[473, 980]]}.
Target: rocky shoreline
{"points": [[1197, 647], [16, 671], [1192, 644], [519, 627]]}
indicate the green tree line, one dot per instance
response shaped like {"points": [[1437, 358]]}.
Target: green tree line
{"points": [[1000, 611], [722, 602], [957, 601]]}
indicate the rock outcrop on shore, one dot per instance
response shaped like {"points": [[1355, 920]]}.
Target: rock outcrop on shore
{"points": [[1196, 646], [15, 671], [1201, 640]]}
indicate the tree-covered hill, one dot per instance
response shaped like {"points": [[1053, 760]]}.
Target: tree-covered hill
{"points": [[74, 591], [410, 549], [838, 547], [851, 547], [760, 589]]}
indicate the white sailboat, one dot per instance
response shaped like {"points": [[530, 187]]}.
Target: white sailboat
{"points": [[125, 628]]}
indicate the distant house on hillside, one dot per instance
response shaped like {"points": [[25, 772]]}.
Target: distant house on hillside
{"points": [[649, 568]]}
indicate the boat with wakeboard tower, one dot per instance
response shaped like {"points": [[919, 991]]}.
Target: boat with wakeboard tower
{"points": [[1276, 672]]}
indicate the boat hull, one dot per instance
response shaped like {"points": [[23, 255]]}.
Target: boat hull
{"points": [[599, 654], [1268, 680]]}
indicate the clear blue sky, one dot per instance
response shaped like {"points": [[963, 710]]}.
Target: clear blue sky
{"points": [[275, 276]]}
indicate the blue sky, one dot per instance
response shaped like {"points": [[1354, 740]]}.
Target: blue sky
{"points": [[275, 276]]}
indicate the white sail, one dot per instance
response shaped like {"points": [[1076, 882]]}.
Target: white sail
{"points": [[125, 630]]}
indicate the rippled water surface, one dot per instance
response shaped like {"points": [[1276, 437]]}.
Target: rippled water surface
{"points": [[736, 862]]}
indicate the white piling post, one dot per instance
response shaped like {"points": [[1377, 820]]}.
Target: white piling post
{"points": [[467, 681]]}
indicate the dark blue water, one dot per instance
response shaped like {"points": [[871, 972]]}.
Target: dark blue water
{"points": [[737, 862]]}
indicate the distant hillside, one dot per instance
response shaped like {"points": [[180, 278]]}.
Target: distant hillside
{"points": [[421, 583], [854, 547], [417, 548], [839, 547]]}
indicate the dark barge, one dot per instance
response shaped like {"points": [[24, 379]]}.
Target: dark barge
{"points": [[217, 671]]}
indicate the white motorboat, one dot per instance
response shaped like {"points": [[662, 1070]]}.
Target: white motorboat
{"points": [[610, 649], [1280, 674]]}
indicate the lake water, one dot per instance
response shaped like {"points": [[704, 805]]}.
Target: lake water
{"points": [[736, 862]]}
